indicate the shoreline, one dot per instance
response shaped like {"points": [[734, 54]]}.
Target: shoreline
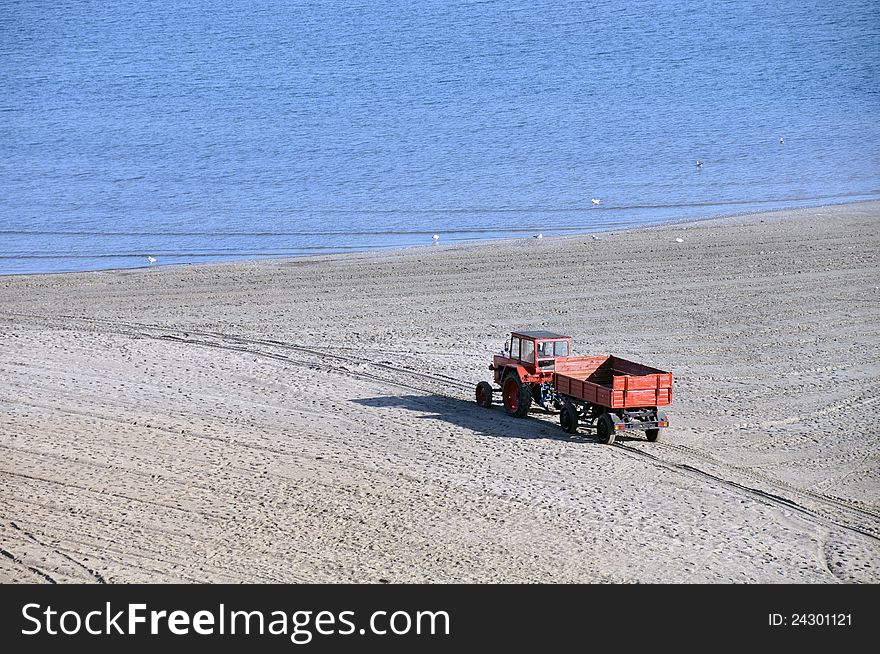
{"points": [[313, 419], [463, 243]]}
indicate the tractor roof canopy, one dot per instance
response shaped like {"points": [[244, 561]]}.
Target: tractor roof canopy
{"points": [[538, 334]]}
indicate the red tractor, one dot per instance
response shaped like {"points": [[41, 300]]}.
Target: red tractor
{"points": [[606, 392]]}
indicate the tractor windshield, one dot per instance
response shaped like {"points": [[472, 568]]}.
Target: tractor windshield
{"points": [[549, 349]]}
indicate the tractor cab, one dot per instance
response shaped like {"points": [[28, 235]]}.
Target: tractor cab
{"points": [[536, 351]]}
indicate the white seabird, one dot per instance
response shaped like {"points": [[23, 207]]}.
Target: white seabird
{"points": [[596, 201], [151, 259], [781, 140], [699, 164], [538, 236], [436, 237]]}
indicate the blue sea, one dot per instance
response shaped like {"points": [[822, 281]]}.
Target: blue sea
{"points": [[205, 131]]}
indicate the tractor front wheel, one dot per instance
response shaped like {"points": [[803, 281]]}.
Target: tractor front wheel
{"points": [[517, 397], [605, 429], [484, 394]]}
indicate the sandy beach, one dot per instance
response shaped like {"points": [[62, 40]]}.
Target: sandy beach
{"points": [[312, 420]]}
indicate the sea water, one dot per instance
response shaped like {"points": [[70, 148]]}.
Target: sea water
{"points": [[206, 130]]}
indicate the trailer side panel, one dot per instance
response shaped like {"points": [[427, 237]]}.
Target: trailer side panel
{"points": [[615, 383]]}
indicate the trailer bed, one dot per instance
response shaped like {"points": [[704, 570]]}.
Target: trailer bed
{"points": [[613, 382]]}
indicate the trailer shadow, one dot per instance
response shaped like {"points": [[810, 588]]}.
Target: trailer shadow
{"points": [[492, 422]]}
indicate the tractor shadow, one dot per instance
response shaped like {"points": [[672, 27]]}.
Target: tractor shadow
{"points": [[493, 422]]}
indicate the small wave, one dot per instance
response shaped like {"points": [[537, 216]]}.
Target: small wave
{"points": [[498, 229], [194, 255], [386, 232], [570, 209]]}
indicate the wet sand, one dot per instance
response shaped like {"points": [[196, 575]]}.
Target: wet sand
{"points": [[312, 419]]}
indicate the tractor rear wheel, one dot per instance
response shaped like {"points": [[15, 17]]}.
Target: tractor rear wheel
{"points": [[517, 396], [484, 394], [568, 418], [652, 434], [605, 429]]}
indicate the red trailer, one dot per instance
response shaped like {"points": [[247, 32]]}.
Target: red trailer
{"points": [[605, 392]]}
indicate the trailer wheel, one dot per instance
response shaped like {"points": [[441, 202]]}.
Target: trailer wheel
{"points": [[605, 429], [517, 397], [484, 394], [652, 434], [568, 418]]}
